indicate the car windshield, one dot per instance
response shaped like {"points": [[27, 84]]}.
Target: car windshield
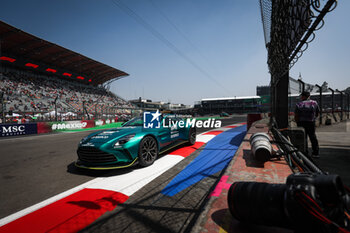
{"points": [[137, 121]]}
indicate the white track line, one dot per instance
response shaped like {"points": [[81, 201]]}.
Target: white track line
{"points": [[204, 138], [131, 182], [49, 201], [127, 184]]}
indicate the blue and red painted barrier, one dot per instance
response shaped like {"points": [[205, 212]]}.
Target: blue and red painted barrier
{"points": [[215, 157]]}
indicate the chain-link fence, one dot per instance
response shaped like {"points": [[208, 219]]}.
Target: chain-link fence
{"points": [[289, 27], [334, 104]]}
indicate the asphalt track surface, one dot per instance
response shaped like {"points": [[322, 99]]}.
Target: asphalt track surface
{"points": [[35, 168]]}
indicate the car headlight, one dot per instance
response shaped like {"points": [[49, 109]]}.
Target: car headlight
{"points": [[82, 140], [123, 140]]}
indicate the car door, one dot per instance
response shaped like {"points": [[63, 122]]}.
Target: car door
{"points": [[182, 129], [174, 130], [164, 133]]}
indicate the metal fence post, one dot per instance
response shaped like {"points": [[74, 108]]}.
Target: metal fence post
{"points": [[302, 85], [281, 97], [341, 104], [320, 104]]}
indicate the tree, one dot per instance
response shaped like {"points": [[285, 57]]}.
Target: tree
{"points": [[347, 90], [324, 87]]}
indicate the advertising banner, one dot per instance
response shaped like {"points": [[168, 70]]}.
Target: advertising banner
{"points": [[89, 123], [71, 125], [99, 122], [7, 130], [44, 127], [104, 122]]}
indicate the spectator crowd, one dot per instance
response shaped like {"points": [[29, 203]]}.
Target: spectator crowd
{"points": [[29, 96]]}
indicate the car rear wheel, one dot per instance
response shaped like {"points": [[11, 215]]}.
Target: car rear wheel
{"points": [[192, 136], [148, 151]]}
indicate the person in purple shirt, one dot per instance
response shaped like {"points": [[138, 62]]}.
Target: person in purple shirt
{"points": [[306, 112]]}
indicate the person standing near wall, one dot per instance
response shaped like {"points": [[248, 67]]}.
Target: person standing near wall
{"points": [[306, 112]]}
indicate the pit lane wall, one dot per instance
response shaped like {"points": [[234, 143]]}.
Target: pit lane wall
{"points": [[216, 217], [8, 130]]}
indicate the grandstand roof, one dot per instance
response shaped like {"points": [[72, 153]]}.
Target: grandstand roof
{"points": [[30, 49]]}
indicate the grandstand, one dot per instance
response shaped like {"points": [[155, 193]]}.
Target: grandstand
{"points": [[253, 104], [41, 80], [239, 104]]}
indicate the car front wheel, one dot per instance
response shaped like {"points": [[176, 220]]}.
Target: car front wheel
{"points": [[148, 151]]}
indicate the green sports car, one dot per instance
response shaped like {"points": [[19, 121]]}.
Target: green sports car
{"points": [[123, 146]]}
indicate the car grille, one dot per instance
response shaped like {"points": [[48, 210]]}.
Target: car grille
{"points": [[94, 155]]}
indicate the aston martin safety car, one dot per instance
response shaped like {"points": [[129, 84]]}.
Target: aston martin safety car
{"points": [[132, 143]]}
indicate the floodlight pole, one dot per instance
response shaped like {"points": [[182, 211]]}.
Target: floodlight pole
{"points": [[341, 104], [2, 107], [2, 94], [332, 100], [320, 104]]}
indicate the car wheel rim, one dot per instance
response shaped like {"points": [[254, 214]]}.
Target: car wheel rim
{"points": [[149, 150]]}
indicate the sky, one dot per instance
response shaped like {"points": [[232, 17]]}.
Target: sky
{"points": [[181, 51]]}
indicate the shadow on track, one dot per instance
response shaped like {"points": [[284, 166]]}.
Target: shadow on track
{"points": [[71, 168]]}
